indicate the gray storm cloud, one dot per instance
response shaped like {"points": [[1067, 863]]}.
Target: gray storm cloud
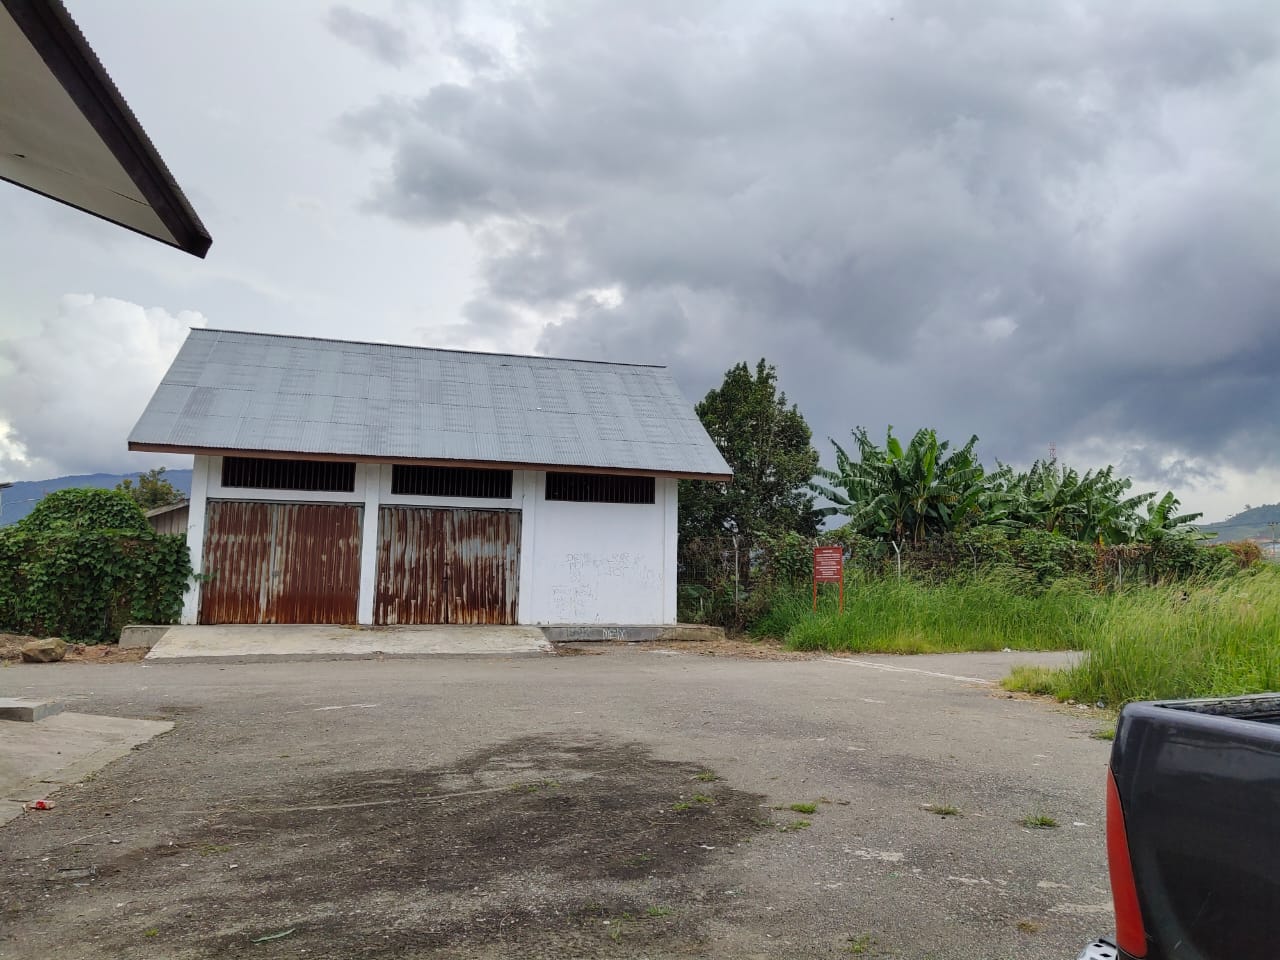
{"points": [[1031, 221], [378, 37]]}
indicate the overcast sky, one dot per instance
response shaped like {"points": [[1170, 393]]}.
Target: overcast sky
{"points": [[1038, 222]]}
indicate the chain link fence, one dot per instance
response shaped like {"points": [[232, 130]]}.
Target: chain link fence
{"points": [[729, 581]]}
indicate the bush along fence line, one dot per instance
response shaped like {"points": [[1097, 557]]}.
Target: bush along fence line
{"points": [[719, 582], [84, 563]]}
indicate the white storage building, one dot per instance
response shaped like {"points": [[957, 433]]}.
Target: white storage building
{"points": [[340, 482]]}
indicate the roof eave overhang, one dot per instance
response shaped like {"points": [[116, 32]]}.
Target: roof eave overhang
{"points": [[141, 447], [72, 63]]}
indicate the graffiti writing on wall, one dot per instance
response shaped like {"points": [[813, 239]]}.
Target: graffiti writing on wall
{"points": [[596, 633], [589, 577]]}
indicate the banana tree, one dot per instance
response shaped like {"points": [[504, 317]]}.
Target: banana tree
{"points": [[903, 494], [1093, 507]]}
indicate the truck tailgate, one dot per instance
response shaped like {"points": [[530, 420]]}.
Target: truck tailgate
{"points": [[1199, 784]]}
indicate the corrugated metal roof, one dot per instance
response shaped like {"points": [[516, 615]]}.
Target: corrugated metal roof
{"points": [[267, 393]]}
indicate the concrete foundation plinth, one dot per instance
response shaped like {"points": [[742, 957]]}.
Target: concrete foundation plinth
{"points": [[142, 635], [630, 632], [28, 711]]}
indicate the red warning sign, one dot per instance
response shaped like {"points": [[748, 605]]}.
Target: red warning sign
{"points": [[828, 567], [828, 564]]}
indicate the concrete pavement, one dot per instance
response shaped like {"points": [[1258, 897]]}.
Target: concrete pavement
{"points": [[37, 759], [293, 642], [627, 802]]}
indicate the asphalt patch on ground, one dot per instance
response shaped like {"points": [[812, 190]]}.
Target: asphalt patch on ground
{"points": [[537, 846]]}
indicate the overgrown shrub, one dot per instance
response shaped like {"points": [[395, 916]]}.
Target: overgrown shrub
{"points": [[85, 508], [60, 574], [861, 553], [1245, 552], [1051, 556], [987, 545], [787, 558]]}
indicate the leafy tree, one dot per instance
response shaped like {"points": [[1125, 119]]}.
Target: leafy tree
{"points": [[769, 446], [1092, 508], [83, 509], [906, 494], [152, 490]]}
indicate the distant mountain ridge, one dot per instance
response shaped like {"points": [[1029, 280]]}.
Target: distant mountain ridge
{"points": [[20, 499], [1246, 525]]}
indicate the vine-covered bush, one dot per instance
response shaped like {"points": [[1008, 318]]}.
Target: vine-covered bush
{"points": [[63, 574], [85, 508]]}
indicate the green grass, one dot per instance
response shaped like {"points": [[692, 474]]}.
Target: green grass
{"points": [[1215, 639], [1041, 681], [795, 825], [656, 912], [892, 616], [942, 810], [803, 807], [860, 945], [1039, 821]]}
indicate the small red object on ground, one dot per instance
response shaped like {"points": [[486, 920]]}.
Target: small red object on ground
{"points": [[41, 805]]}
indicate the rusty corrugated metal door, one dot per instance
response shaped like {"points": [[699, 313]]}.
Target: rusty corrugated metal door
{"points": [[411, 562], [317, 559], [484, 566], [443, 565], [281, 563], [237, 562]]}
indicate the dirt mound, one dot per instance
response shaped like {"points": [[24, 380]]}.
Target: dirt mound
{"points": [[11, 651], [11, 645]]}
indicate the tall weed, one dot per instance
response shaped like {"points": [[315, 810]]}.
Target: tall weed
{"points": [[886, 615], [1210, 639]]}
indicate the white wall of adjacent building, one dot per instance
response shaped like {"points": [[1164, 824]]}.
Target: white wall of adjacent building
{"points": [[580, 563]]}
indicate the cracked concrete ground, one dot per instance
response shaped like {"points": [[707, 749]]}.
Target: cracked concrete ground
{"points": [[636, 803]]}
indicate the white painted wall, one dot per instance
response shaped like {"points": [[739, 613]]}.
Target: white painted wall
{"points": [[580, 563], [599, 562], [368, 480], [195, 537]]}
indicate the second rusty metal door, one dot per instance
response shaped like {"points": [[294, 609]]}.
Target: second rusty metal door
{"points": [[441, 565]]}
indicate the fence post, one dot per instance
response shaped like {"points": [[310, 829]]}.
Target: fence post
{"points": [[737, 587]]}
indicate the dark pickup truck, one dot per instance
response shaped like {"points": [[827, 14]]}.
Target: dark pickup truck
{"points": [[1193, 831]]}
